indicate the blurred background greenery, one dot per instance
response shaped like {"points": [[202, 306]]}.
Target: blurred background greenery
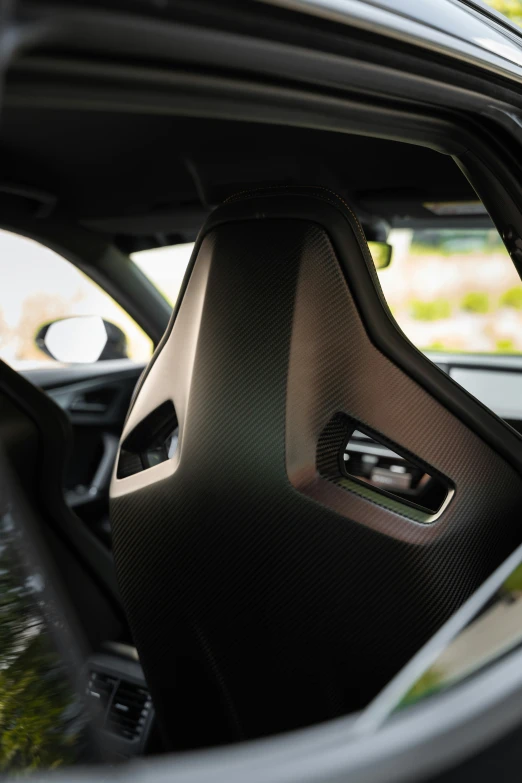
{"points": [[510, 8], [454, 290], [41, 719]]}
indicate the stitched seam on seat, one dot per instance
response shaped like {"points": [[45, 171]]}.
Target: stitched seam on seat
{"points": [[311, 187]]}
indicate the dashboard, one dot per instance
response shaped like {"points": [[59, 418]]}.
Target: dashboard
{"points": [[495, 380]]}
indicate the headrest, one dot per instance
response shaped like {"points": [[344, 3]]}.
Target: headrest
{"points": [[265, 590]]}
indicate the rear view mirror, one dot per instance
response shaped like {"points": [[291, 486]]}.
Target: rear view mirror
{"points": [[381, 254], [82, 340]]}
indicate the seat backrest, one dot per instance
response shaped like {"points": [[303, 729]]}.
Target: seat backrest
{"points": [[265, 590], [36, 436]]}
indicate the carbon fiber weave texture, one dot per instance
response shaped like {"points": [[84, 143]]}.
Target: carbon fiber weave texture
{"points": [[247, 583]]}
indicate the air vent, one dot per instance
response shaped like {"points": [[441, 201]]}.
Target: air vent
{"points": [[153, 440], [129, 711], [120, 707], [100, 688]]}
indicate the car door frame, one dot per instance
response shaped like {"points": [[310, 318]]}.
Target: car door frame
{"points": [[101, 261]]}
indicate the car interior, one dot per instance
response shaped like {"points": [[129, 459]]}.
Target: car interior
{"points": [[256, 530]]}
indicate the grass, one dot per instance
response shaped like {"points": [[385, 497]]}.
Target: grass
{"points": [[512, 298], [506, 346], [430, 311], [475, 302]]}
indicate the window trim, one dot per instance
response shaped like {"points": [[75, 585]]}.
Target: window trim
{"points": [[106, 266], [495, 18]]}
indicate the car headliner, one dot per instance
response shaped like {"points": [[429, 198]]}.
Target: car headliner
{"points": [[131, 175]]}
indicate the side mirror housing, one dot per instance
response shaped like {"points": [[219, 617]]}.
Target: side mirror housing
{"points": [[82, 339]]}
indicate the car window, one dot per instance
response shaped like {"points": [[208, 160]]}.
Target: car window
{"points": [[40, 286], [454, 290], [165, 267], [451, 290], [510, 8]]}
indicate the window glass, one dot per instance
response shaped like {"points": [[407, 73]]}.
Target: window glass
{"points": [[165, 267], [454, 290], [38, 286], [510, 8]]}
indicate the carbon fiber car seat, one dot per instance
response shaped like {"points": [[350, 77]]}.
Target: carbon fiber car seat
{"points": [[265, 591]]}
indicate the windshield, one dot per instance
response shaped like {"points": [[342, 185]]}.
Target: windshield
{"points": [[450, 290]]}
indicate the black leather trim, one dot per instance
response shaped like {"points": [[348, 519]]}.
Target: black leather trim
{"points": [[292, 579], [332, 213], [55, 443]]}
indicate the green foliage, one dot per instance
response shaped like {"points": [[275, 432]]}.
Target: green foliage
{"points": [[33, 714], [514, 580], [475, 302], [451, 243], [38, 718], [510, 8], [429, 682], [512, 298], [419, 248], [430, 311], [506, 346]]}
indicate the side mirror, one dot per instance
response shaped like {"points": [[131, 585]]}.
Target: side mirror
{"points": [[381, 254], [82, 339]]}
